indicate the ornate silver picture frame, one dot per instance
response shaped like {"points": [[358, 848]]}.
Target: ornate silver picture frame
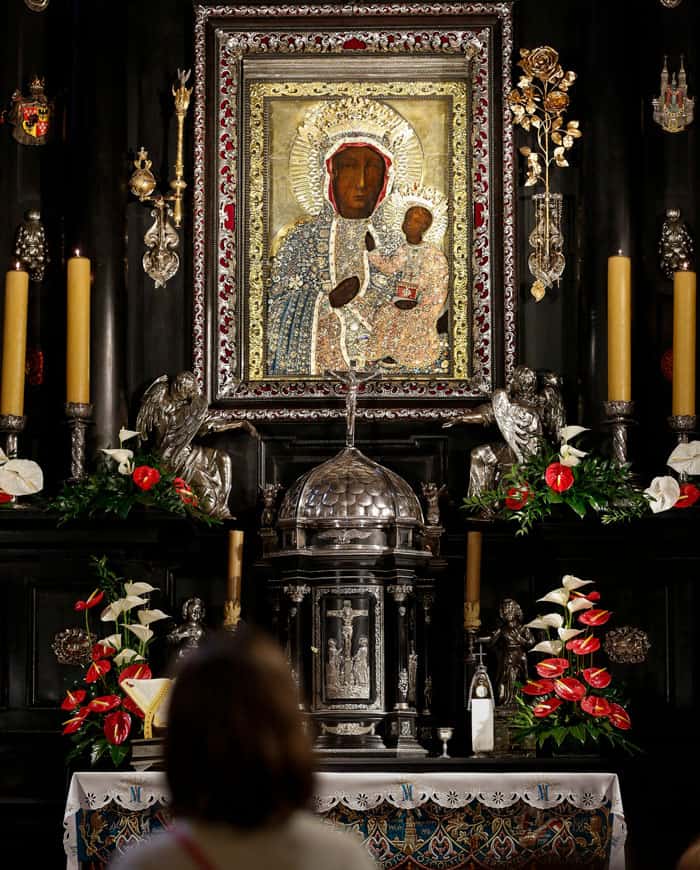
{"points": [[296, 274]]}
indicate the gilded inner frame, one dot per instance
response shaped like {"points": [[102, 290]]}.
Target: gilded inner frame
{"points": [[438, 111], [254, 64]]}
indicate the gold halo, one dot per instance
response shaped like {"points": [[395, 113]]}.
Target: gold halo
{"points": [[353, 119], [407, 195]]}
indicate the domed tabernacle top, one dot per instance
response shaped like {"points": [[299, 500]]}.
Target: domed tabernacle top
{"points": [[350, 502]]}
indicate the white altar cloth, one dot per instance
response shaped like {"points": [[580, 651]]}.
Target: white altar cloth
{"points": [[138, 791]]}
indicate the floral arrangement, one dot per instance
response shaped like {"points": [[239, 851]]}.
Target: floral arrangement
{"points": [[574, 698], [127, 480], [102, 718], [666, 492], [562, 475]]}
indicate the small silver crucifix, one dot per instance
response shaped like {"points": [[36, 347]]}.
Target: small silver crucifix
{"points": [[352, 381]]}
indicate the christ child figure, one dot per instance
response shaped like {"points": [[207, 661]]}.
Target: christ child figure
{"points": [[405, 328]]}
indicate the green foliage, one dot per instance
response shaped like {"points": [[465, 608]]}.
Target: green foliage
{"points": [[107, 492], [600, 486], [571, 724]]}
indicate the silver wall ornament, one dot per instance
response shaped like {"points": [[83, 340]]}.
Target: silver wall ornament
{"points": [[676, 248], [670, 4], [160, 262], [36, 5], [673, 108], [30, 245]]}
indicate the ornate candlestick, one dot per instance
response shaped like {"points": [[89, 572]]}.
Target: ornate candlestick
{"points": [[683, 425], [618, 416], [12, 425], [79, 415]]}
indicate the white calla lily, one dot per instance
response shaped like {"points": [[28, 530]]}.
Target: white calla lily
{"points": [[570, 456], [122, 457], [537, 623], [138, 588], [553, 620], [556, 596], [553, 647], [686, 457], [663, 492], [566, 433], [577, 604], [568, 581], [3, 456], [125, 656], [127, 435], [121, 605], [21, 477], [142, 632], [114, 640], [146, 617], [565, 634]]}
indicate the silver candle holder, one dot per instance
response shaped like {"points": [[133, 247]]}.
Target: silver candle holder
{"points": [[79, 415], [619, 417], [683, 425], [12, 425]]}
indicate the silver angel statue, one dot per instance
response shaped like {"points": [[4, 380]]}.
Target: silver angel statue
{"points": [[524, 417], [172, 416]]}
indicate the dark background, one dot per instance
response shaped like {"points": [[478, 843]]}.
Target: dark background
{"points": [[110, 67]]}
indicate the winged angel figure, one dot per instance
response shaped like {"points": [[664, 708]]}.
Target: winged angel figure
{"points": [[172, 416], [523, 417]]}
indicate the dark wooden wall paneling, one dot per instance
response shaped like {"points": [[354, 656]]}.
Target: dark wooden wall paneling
{"points": [[625, 172]]}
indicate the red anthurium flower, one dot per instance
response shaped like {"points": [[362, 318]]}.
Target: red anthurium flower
{"points": [[136, 672], [559, 477], [599, 678], [689, 495], [180, 483], [133, 707], [551, 667], [117, 727], [102, 651], [96, 670], [583, 646], [619, 717], [591, 596], [569, 689], [518, 496], [72, 699], [596, 706], [76, 721], [595, 616], [538, 687], [546, 707], [104, 704], [145, 477], [92, 601], [5, 497]]}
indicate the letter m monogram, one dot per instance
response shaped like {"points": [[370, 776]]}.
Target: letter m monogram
{"points": [[135, 794], [407, 789], [543, 790]]}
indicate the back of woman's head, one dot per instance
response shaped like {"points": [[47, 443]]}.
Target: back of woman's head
{"points": [[236, 750]]}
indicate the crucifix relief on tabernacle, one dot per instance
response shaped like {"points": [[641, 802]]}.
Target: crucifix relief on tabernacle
{"points": [[347, 671], [352, 381]]}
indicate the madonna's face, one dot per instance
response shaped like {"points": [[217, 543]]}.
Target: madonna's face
{"points": [[357, 178]]}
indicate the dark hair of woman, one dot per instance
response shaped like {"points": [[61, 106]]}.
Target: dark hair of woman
{"points": [[236, 750]]}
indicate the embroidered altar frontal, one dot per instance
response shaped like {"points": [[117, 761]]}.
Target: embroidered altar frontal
{"points": [[433, 821]]}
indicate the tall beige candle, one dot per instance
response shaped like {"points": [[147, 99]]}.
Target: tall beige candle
{"points": [[78, 330], [619, 329], [684, 322], [235, 565], [14, 341], [473, 580]]}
